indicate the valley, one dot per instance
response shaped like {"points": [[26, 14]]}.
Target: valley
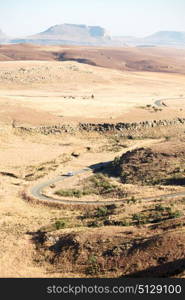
{"points": [[65, 211]]}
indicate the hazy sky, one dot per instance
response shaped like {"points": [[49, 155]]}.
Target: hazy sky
{"points": [[119, 17]]}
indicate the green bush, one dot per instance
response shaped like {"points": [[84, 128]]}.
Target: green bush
{"points": [[94, 267], [102, 212], [175, 214], [139, 219], [131, 200], [60, 224]]}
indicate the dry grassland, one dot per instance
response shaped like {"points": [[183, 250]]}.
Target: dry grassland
{"points": [[134, 237]]}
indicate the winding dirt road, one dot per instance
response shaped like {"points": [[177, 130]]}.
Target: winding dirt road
{"points": [[36, 191]]}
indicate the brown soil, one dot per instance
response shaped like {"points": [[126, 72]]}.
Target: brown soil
{"points": [[113, 252]]}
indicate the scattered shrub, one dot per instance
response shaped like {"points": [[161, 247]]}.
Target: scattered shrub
{"points": [[102, 212], [94, 224], [139, 219], [72, 193], [159, 207], [60, 224], [131, 200], [94, 267]]}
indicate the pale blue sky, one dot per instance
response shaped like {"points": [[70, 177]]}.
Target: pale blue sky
{"points": [[119, 17]]}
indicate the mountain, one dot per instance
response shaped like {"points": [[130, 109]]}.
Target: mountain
{"points": [[72, 31], [166, 38], [70, 34], [160, 38], [83, 35]]}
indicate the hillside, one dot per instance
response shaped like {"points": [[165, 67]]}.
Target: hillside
{"points": [[163, 164], [152, 59], [166, 38]]}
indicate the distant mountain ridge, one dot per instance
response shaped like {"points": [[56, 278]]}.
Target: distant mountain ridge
{"points": [[160, 38], [167, 37], [71, 34], [74, 34]]}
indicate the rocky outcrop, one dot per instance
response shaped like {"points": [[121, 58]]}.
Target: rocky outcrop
{"points": [[102, 127]]}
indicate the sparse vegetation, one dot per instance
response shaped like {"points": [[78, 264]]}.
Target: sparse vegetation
{"points": [[150, 167], [151, 108], [72, 193], [60, 224], [102, 212], [132, 200], [128, 235], [98, 185], [93, 266], [160, 213]]}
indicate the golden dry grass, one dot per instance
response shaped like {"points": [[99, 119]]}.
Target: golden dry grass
{"points": [[70, 86], [35, 93]]}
